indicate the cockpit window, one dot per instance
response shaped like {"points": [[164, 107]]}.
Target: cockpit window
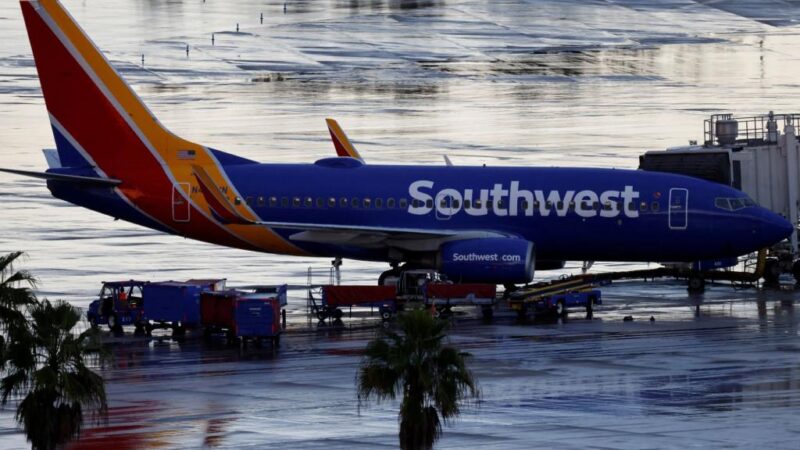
{"points": [[722, 203], [733, 204]]}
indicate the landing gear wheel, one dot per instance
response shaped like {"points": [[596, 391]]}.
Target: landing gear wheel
{"points": [[93, 322], [386, 315], [772, 272], [696, 284], [487, 312], [113, 324], [561, 308], [337, 314], [796, 270]]}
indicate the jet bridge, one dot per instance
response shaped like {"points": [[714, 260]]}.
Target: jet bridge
{"points": [[755, 154]]}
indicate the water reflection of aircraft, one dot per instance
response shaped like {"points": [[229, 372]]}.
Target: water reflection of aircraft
{"points": [[492, 224]]}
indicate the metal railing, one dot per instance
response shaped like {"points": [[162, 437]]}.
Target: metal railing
{"points": [[750, 130]]}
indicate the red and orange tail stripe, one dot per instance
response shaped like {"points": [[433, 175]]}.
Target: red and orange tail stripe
{"points": [[340, 141], [88, 98]]}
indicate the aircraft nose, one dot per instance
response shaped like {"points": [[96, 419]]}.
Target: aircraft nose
{"points": [[774, 228]]}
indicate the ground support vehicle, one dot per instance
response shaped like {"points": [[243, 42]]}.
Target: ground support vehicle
{"points": [[334, 298], [555, 298], [120, 303], [173, 304], [242, 315], [443, 296], [413, 287], [146, 305]]}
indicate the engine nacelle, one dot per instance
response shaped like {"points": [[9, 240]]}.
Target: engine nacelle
{"points": [[488, 260]]}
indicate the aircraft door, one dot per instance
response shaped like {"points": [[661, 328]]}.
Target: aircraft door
{"points": [[678, 209], [181, 208], [445, 207]]}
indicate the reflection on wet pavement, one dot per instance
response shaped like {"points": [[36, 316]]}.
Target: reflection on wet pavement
{"points": [[540, 82]]}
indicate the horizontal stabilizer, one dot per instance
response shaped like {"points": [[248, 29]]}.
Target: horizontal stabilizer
{"points": [[63, 177]]}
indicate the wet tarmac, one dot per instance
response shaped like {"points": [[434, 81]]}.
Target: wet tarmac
{"points": [[720, 370], [537, 82]]}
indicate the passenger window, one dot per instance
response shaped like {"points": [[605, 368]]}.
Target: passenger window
{"points": [[536, 204], [320, 202], [237, 201], [403, 203], [366, 203], [643, 206], [296, 202], [548, 204], [456, 203], [354, 202], [572, 206], [309, 202], [379, 203], [331, 202], [415, 203], [596, 206], [249, 201], [343, 202], [477, 204], [273, 202], [261, 201], [390, 203], [285, 202], [429, 203], [655, 206], [443, 203], [607, 206]]}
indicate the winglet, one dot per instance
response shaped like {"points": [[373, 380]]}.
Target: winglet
{"points": [[340, 141], [220, 206]]}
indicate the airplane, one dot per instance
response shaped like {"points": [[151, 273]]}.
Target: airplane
{"points": [[471, 223]]}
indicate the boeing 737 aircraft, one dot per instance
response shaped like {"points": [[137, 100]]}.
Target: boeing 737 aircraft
{"points": [[481, 224]]}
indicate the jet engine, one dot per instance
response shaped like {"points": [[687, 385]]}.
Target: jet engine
{"points": [[487, 260]]}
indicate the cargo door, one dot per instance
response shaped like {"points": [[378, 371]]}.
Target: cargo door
{"points": [[181, 209], [678, 209]]}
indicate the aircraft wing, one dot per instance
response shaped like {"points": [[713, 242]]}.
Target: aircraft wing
{"points": [[412, 239], [376, 237], [64, 177]]}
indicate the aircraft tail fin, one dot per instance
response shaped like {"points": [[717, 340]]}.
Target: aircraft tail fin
{"points": [[340, 141], [97, 119]]}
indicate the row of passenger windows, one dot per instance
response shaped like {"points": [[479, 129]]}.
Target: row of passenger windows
{"points": [[391, 203], [733, 204]]}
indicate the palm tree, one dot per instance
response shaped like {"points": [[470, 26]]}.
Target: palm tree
{"points": [[432, 377], [45, 363], [15, 292]]}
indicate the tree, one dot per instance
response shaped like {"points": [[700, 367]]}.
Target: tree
{"points": [[15, 293], [43, 362], [432, 377]]}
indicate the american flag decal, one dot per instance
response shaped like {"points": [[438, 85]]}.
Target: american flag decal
{"points": [[186, 154]]}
